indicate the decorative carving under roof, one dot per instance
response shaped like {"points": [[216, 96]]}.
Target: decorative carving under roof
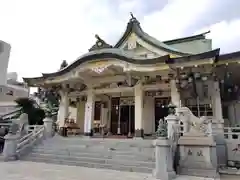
{"points": [[100, 44]]}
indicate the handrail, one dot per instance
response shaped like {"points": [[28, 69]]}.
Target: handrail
{"points": [[30, 139], [5, 116]]}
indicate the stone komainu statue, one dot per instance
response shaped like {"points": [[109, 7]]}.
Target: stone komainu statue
{"points": [[20, 125], [193, 124]]}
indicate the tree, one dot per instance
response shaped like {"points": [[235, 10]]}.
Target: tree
{"points": [[28, 106], [64, 64]]}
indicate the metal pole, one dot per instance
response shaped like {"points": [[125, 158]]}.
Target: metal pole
{"points": [[129, 120], [198, 107], [119, 120]]}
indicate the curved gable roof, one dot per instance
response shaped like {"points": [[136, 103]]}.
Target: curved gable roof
{"points": [[128, 57], [134, 26], [107, 53]]}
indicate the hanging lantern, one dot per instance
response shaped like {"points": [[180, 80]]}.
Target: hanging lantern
{"points": [[204, 78], [190, 79], [197, 75]]}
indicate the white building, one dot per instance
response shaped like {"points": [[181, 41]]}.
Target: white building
{"points": [[10, 88]]}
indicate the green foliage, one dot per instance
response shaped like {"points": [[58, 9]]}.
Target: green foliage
{"points": [[162, 129], [28, 106]]}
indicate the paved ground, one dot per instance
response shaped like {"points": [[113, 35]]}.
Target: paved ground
{"points": [[20, 170]]}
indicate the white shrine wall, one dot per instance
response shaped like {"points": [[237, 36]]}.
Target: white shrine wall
{"points": [[149, 115]]}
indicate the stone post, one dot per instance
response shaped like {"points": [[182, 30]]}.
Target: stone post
{"points": [[163, 157], [10, 147], [218, 125], [172, 120], [184, 119], [175, 95], [48, 127]]}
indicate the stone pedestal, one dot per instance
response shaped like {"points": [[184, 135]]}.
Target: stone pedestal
{"points": [[218, 134], [10, 147], [197, 156], [164, 166], [48, 127]]}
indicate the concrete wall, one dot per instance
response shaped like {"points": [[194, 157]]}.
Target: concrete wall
{"points": [[4, 59], [12, 75], [195, 47], [16, 90]]}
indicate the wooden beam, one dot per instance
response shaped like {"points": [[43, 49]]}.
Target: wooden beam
{"points": [[103, 91]]}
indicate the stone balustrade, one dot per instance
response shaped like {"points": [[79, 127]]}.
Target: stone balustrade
{"points": [[16, 146]]}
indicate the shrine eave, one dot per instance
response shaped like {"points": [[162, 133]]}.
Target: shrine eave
{"points": [[104, 55], [107, 55], [187, 39], [229, 56], [134, 27], [33, 81], [195, 57]]}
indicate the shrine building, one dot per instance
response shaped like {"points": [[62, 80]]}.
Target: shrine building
{"points": [[128, 86]]}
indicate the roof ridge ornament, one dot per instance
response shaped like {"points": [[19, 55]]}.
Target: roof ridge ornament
{"points": [[133, 18], [100, 44]]}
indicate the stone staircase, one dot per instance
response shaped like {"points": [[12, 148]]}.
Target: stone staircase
{"points": [[117, 154]]}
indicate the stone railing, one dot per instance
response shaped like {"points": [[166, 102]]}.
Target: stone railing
{"points": [[16, 146], [26, 142], [232, 133], [232, 138]]}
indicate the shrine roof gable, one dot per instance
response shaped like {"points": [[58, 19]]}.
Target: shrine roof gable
{"points": [[133, 26]]}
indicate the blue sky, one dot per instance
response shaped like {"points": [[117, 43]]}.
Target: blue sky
{"points": [[42, 33]]}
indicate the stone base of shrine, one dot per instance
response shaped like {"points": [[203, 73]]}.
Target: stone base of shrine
{"points": [[139, 133], [198, 156]]}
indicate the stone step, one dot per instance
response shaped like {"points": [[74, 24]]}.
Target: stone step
{"points": [[91, 165], [94, 148], [110, 155], [103, 151], [112, 142], [100, 145], [95, 160]]}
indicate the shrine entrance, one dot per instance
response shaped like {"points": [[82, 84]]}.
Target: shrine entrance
{"points": [[127, 120], [161, 109], [123, 116], [114, 115]]}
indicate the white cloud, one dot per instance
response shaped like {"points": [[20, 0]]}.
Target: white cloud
{"points": [[43, 32]]}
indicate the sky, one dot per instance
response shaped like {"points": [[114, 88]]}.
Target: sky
{"points": [[43, 33]]}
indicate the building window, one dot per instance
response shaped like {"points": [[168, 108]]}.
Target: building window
{"points": [[10, 93], [201, 109], [97, 110]]}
